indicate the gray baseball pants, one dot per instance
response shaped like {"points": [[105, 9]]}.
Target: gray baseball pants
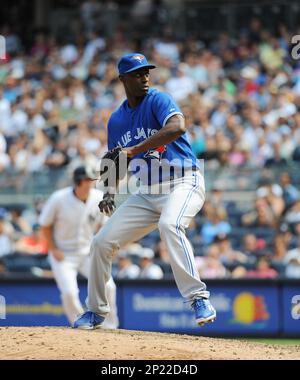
{"points": [[136, 217]]}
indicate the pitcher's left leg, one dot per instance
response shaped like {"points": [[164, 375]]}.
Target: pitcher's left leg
{"points": [[182, 204]]}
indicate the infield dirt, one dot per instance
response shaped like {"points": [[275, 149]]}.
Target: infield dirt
{"points": [[67, 343]]}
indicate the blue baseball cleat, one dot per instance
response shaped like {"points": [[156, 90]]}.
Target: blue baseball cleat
{"points": [[88, 321], [204, 311]]}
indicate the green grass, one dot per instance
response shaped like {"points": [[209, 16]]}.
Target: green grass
{"points": [[285, 342]]}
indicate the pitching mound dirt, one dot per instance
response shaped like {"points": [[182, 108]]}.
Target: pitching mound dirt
{"points": [[66, 343]]}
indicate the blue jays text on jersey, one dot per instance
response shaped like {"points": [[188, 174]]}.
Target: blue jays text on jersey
{"points": [[130, 126]]}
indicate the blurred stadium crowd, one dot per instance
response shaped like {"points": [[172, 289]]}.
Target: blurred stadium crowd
{"points": [[241, 100]]}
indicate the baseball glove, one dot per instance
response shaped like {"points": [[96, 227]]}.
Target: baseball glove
{"points": [[113, 167]]}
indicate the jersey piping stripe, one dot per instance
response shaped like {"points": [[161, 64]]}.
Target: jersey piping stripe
{"points": [[180, 233], [170, 115], [186, 252], [189, 254]]}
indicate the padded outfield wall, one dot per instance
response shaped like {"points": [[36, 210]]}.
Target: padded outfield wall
{"points": [[244, 307]]}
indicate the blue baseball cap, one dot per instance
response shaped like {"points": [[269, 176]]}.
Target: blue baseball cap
{"points": [[132, 62]]}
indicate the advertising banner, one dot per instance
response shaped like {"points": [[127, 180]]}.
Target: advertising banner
{"points": [[240, 310], [291, 310], [33, 304]]}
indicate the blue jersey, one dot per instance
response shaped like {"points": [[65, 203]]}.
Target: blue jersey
{"points": [[130, 126]]}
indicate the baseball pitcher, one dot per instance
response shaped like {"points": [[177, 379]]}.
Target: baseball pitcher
{"points": [[149, 129]]}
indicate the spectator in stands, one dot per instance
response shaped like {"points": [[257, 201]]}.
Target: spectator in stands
{"points": [[6, 246], [208, 210], [33, 244], [31, 214], [193, 232], [181, 85], [161, 252], [279, 247], [292, 269], [274, 199], [133, 249], [227, 255], [262, 216], [210, 266], [253, 246], [292, 262], [263, 269], [41, 46], [290, 192], [216, 224], [12, 40], [277, 158], [288, 236], [162, 258], [149, 270], [127, 270], [272, 195], [166, 48], [216, 196], [19, 223], [4, 157], [296, 154], [293, 214], [296, 229]]}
